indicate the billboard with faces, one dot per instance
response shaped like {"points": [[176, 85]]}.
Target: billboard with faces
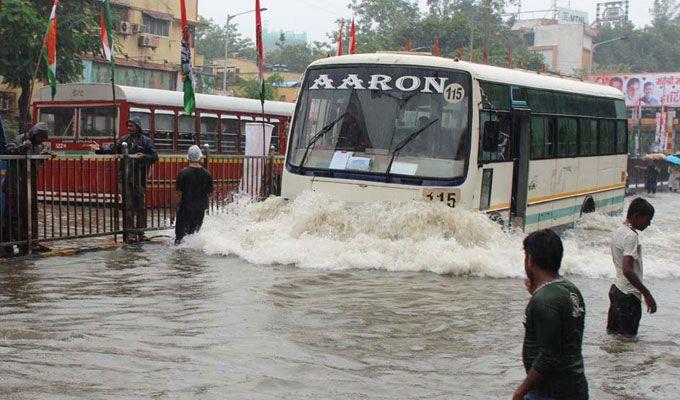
{"points": [[645, 89]]}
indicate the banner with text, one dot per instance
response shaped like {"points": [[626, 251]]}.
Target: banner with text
{"points": [[646, 90]]}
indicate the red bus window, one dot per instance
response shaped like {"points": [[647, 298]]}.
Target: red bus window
{"points": [[165, 130], [209, 131], [187, 132], [97, 122], [60, 121], [229, 134]]}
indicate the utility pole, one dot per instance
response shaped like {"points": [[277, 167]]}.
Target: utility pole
{"points": [[594, 46], [226, 46]]}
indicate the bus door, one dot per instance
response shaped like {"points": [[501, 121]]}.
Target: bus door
{"points": [[521, 149]]}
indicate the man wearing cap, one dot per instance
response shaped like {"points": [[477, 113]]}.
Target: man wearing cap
{"points": [[195, 185], [142, 156], [15, 217]]}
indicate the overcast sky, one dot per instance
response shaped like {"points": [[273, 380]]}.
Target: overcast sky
{"points": [[316, 17]]}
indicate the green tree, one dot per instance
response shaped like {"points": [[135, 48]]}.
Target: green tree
{"points": [[453, 22], [250, 88], [23, 24], [297, 56]]}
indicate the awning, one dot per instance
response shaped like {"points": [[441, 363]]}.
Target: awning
{"points": [[158, 15]]}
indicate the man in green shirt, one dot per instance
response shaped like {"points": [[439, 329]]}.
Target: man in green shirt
{"points": [[554, 320]]}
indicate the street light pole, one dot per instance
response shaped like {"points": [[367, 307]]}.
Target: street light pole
{"points": [[226, 46], [594, 46]]}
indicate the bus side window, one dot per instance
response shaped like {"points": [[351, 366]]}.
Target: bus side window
{"points": [[209, 131], [145, 117], [541, 138], [504, 142], [165, 130], [275, 134], [97, 122], [60, 121], [229, 134], [187, 132]]}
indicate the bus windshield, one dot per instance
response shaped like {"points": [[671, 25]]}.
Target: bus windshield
{"points": [[414, 121]]}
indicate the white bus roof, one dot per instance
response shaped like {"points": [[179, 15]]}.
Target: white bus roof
{"points": [[479, 71], [101, 92]]}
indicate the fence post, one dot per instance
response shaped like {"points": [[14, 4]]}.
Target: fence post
{"points": [[29, 207], [206, 149], [124, 184], [271, 171]]}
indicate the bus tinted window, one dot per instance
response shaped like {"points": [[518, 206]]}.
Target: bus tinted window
{"points": [[567, 134], [496, 94], [97, 122], [606, 108], [187, 132], [620, 109], [541, 101], [588, 138], [566, 104], [165, 128], [607, 137], [541, 138], [209, 131], [588, 106], [621, 137], [60, 121], [229, 134]]}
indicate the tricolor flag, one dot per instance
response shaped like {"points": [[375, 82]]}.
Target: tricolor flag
{"points": [[352, 38], [342, 28], [187, 74], [50, 53], [107, 38], [260, 49]]}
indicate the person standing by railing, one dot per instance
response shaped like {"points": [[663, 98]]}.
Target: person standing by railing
{"points": [[15, 218], [142, 157], [195, 184]]}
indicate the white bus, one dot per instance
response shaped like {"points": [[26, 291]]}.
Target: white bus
{"points": [[533, 150]]}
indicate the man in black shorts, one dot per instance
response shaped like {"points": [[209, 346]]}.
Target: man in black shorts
{"points": [[195, 184], [625, 309], [554, 321]]}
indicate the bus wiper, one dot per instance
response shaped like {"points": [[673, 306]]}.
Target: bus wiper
{"points": [[404, 142], [321, 133]]}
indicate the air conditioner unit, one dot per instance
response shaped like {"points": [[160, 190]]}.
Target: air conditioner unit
{"points": [[138, 28], [146, 40], [125, 28]]}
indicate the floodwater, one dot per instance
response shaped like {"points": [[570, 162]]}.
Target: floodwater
{"points": [[314, 300]]}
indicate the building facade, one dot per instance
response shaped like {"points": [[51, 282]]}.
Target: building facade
{"points": [[148, 34], [565, 41]]}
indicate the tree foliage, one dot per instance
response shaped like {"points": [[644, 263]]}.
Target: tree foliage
{"points": [[251, 88], [296, 56], [23, 24], [652, 48], [389, 24]]}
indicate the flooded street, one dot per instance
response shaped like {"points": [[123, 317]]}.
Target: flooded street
{"points": [[310, 299]]}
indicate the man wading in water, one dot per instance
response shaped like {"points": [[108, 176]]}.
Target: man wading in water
{"points": [[625, 294], [196, 184], [554, 320]]}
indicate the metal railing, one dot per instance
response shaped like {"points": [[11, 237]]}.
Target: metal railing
{"points": [[55, 199]]}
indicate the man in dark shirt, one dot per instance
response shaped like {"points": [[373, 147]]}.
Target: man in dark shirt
{"points": [[142, 157], [195, 184], [554, 320]]}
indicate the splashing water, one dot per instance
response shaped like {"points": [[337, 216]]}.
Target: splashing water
{"points": [[315, 231]]}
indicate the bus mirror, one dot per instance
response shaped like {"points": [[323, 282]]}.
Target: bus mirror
{"points": [[491, 137]]}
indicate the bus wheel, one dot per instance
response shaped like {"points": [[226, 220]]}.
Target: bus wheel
{"points": [[588, 206]]}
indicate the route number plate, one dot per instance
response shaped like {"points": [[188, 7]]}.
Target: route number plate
{"points": [[447, 196]]}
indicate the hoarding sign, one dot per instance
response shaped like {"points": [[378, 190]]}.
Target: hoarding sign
{"points": [[646, 90]]}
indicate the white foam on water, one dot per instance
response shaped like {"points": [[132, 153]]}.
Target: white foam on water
{"points": [[315, 231]]}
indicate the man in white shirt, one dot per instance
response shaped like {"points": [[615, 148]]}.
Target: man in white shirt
{"points": [[627, 292]]}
